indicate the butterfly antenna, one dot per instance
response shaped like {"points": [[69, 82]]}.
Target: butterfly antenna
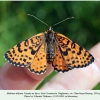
{"points": [[63, 21], [38, 19]]}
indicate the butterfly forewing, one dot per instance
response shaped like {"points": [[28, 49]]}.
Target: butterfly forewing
{"points": [[73, 54], [23, 53]]}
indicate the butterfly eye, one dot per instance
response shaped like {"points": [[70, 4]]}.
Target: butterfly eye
{"points": [[50, 28]]}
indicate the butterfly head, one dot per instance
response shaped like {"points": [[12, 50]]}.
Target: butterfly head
{"points": [[50, 28]]}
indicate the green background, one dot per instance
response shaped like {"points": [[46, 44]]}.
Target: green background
{"points": [[16, 26]]}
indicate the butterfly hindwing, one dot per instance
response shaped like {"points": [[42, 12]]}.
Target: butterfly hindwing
{"points": [[73, 54], [39, 63], [23, 53], [58, 62]]}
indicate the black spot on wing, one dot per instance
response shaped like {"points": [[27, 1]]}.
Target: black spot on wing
{"points": [[33, 52], [80, 50], [73, 45], [32, 41], [26, 43], [24, 60], [68, 42], [19, 49], [25, 49], [13, 51], [65, 53]]}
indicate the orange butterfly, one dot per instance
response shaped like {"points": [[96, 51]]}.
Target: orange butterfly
{"points": [[49, 47]]}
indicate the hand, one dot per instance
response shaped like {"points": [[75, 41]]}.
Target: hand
{"points": [[18, 78]]}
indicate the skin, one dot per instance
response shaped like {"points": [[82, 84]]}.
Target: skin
{"points": [[18, 78]]}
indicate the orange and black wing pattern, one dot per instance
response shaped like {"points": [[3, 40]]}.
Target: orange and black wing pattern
{"points": [[29, 53], [58, 62], [55, 48], [69, 55]]}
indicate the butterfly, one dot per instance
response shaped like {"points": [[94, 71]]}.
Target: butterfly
{"points": [[49, 47]]}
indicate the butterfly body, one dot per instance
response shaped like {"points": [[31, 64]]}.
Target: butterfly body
{"points": [[49, 47]]}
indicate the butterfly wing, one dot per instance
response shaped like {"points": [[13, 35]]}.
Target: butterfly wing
{"points": [[39, 64], [26, 53], [58, 62], [73, 55]]}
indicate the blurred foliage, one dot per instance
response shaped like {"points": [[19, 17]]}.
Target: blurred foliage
{"points": [[16, 26]]}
